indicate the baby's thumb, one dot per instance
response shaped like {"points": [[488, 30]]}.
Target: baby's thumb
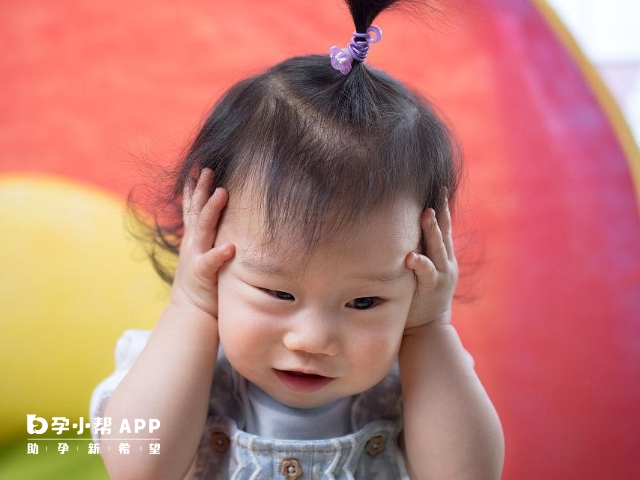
{"points": [[216, 257], [422, 266]]}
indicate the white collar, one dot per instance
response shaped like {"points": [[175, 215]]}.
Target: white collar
{"points": [[268, 418]]}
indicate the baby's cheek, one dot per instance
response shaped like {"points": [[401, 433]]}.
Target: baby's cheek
{"points": [[237, 338], [244, 331], [375, 348]]}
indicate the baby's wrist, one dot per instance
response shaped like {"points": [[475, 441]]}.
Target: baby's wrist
{"points": [[191, 303], [187, 310], [441, 322], [190, 325]]}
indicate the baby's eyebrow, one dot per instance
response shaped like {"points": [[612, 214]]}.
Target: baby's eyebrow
{"points": [[271, 269], [386, 276], [260, 267]]}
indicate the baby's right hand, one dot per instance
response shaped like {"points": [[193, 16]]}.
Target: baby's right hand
{"points": [[195, 284]]}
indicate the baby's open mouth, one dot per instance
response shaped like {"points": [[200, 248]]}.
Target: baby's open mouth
{"points": [[302, 382], [302, 374]]}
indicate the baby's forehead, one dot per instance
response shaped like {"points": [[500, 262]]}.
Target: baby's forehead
{"points": [[304, 214], [250, 207], [261, 243], [384, 235], [282, 233]]}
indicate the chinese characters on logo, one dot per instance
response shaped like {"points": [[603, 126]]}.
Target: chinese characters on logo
{"points": [[38, 426]]}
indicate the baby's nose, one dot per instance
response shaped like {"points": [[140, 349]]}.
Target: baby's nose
{"points": [[312, 333]]}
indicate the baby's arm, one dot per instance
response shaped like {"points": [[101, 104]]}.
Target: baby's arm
{"points": [[451, 429], [171, 380]]}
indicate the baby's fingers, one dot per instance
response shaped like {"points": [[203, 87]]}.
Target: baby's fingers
{"points": [[211, 261], [444, 220], [195, 193], [423, 267], [207, 224], [435, 247]]}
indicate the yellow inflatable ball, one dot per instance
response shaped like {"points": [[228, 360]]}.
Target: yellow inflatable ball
{"points": [[72, 280]]}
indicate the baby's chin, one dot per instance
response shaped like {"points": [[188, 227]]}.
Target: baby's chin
{"points": [[309, 402]]}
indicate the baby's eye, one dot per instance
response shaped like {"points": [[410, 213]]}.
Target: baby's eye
{"points": [[363, 303], [279, 295]]}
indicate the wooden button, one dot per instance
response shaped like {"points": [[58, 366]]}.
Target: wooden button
{"points": [[291, 469], [220, 441], [375, 445]]}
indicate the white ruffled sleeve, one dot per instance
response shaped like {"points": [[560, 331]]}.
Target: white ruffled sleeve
{"points": [[128, 348]]}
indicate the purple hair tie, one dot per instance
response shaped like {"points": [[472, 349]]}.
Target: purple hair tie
{"points": [[342, 58]]}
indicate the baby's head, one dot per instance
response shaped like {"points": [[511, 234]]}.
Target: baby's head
{"points": [[327, 176]]}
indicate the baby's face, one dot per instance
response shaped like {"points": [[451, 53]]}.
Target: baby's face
{"points": [[310, 331]]}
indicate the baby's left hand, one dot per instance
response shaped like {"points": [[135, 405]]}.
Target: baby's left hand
{"points": [[436, 271]]}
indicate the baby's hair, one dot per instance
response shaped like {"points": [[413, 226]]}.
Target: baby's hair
{"points": [[316, 149]]}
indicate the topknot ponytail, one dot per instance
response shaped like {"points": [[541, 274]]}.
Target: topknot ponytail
{"points": [[364, 12]]}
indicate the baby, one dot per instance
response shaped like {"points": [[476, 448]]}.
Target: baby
{"points": [[309, 334]]}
